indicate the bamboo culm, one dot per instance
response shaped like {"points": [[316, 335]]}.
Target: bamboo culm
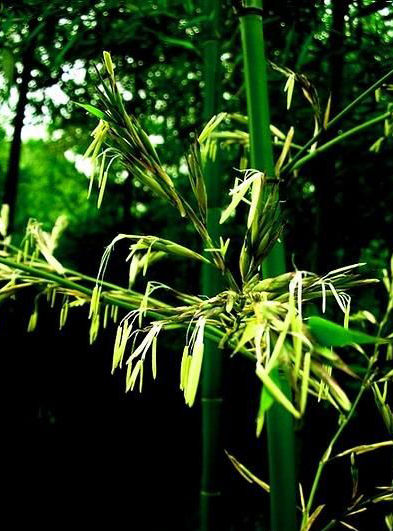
{"points": [[279, 421], [211, 283]]}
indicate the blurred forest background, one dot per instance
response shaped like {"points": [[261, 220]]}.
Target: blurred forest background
{"points": [[78, 448]]}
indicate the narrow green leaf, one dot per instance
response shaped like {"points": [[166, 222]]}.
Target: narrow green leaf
{"points": [[195, 364], [364, 448], [246, 473], [92, 110], [327, 112], [266, 400], [313, 517], [154, 357], [180, 43], [305, 381], [330, 334], [276, 391]]}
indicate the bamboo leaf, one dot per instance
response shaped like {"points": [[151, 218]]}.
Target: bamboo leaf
{"points": [[313, 517], [289, 86], [248, 334], [364, 448], [331, 334], [305, 381], [154, 358], [348, 526], [276, 391], [195, 364], [180, 43], [247, 474], [109, 64], [255, 194], [285, 150], [92, 110], [327, 112], [184, 366], [266, 400]]}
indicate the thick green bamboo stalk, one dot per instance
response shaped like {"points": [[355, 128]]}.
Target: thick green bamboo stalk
{"points": [[279, 421], [212, 452]]}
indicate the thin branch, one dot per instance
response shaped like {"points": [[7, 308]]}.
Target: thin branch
{"points": [[289, 167], [339, 139]]}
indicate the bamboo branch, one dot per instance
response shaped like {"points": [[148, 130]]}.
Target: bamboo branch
{"points": [[279, 421], [212, 332], [367, 380], [340, 138], [289, 167]]}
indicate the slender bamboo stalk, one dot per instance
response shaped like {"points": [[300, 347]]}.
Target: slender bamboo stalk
{"points": [[279, 421], [212, 452]]}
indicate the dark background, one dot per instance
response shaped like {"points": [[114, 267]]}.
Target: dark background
{"points": [[78, 450]]}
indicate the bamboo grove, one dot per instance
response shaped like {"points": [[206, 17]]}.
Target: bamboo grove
{"points": [[251, 306]]}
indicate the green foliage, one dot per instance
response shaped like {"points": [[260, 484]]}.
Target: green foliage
{"points": [[92, 110], [159, 75], [262, 318], [7, 67]]}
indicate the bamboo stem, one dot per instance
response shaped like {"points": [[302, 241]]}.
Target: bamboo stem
{"points": [[279, 421], [211, 280]]}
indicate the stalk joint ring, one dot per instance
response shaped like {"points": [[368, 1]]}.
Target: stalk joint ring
{"points": [[241, 10]]}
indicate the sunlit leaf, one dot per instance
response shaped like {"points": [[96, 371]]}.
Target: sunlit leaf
{"points": [[92, 110]]}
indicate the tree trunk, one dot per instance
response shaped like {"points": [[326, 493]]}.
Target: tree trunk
{"points": [[12, 175]]}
